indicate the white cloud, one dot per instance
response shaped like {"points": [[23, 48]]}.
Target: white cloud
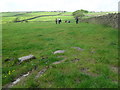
{"points": [[68, 5]]}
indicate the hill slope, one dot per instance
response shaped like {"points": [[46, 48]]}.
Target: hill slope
{"points": [[90, 57]]}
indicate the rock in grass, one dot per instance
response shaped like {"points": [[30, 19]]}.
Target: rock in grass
{"points": [[92, 51], [15, 82], [75, 60], [9, 59], [25, 58], [59, 51], [18, 80], [78, 48]]}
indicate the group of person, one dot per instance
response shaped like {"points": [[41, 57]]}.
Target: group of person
{"points": [[58, 20], [67, 21]]}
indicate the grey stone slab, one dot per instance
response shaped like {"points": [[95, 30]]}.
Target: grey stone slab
{"points": [[78, 48], [59, 51], [25, 58]]}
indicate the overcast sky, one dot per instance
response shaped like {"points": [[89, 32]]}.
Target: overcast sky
{"points": [[51, 5]]}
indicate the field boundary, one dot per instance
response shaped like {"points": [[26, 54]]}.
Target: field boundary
{"points": [[35, 17], [109, 20]]}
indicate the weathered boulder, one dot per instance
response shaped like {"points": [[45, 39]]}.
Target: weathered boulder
{"points": [[25, 58], [78, 48], [15, 82], [59, 51], [6, 60], [75, 60]]}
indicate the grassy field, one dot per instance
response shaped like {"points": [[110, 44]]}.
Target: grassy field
{"points": [[96, 66], [52, 18], [11, 16], [0, 56]]}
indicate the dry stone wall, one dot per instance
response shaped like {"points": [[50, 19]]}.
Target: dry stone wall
{"points": [[109, 20]]}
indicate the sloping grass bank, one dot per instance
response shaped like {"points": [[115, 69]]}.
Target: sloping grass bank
{"points": [[96, 66]]}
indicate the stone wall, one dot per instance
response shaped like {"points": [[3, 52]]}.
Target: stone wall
{"points": [[109, 20]]}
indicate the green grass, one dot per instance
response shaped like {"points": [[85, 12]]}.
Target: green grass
{"points": [[41, 13], [9, 16], [0, 56], [93, 70], [67, 13], [52, 18]]}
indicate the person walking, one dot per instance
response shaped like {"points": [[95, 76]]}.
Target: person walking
{"points": [[56, 20], [77, 20], [59, 20]]}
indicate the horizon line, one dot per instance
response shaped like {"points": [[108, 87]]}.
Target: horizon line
{"points": [[53, 11]]}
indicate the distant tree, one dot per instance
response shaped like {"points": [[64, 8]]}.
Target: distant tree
{"points": [[84, 11], [79, 13]]}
